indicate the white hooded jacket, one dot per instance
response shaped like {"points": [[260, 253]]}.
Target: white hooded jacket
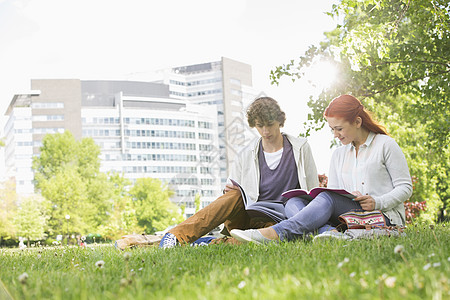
{"points": [[245, 169]]}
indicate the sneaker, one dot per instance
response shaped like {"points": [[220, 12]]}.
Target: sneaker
{"points": [[328, 235], [203, 241], [250, 235], [168, 241]]}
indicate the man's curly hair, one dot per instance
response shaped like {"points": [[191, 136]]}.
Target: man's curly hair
{"points": [[265, 110]]}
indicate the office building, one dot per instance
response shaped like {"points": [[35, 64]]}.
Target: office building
{"points": [[184, 129], [228, 85], [140, 130]]}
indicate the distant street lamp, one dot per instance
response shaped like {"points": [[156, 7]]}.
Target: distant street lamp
{"points": [[67, 225]]}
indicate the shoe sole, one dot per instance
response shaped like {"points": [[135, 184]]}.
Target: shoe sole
{"points": [[328, 237], [244, 238]]}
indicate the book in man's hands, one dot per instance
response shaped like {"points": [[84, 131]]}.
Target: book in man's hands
{"points": [[314, 192], [255, 209]]}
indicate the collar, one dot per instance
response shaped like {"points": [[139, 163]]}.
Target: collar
{"points": [[368, 141]]}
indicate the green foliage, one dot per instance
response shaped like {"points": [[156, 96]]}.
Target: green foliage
{"points": [[57, 151], [197, 202], [8, 208], [154, 211], [66, 195], [367, 269], [67, 175], [123, 218], [30, 219], [394, 56]]}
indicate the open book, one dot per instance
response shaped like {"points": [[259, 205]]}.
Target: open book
{"points": [[271, 209], [314, 192]]}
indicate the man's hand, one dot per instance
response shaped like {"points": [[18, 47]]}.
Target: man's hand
{"points": [[366, 202], [230, 187]]}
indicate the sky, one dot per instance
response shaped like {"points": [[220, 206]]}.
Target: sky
{"points": [[133, 39]]}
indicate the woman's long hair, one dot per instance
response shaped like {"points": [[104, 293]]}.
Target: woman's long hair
{"points": [[347, 107]]}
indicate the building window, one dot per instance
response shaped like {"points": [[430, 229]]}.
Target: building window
{"points": [[236, 92], [48, 118], [207, 125], [47, 105], [235, 81], [204, 136]]}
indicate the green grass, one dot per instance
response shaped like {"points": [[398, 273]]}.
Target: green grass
{"points": [[366, 269]]}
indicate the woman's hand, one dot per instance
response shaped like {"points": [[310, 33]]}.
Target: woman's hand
{"points": [[366, 202]]}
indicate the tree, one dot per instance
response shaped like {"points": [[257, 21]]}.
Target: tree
{"points": [[67, 173], [30, 219], [154, 211], [67, 196], [386, 52], [122, 212], [8, 207]]}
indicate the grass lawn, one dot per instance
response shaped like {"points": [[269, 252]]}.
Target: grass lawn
{"points": [[368, 269]]}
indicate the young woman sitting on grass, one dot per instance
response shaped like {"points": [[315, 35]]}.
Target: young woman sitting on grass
{"points": [[370, 163]]}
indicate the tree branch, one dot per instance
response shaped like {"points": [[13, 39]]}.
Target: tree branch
{"points": [[401, 83], [410, 61]]}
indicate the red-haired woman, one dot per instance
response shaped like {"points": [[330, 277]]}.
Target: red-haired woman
{"points": [[370, 163]]}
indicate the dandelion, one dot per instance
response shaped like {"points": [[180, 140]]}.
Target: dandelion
{"points": [[363, 283], [100, 264], [23, 278], [127, 256], [390, 281], [241, 284], [426, 267], [123, 282], [434, 234], [399, 249]]}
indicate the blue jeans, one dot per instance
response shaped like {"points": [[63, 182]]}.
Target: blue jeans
{"points": [[322, 210], [296, 204]]}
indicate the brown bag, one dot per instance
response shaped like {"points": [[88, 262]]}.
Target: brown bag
{"points": [[137, 240]]}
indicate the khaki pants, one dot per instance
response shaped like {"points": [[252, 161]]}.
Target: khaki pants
{"points": [[228, 209]]}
